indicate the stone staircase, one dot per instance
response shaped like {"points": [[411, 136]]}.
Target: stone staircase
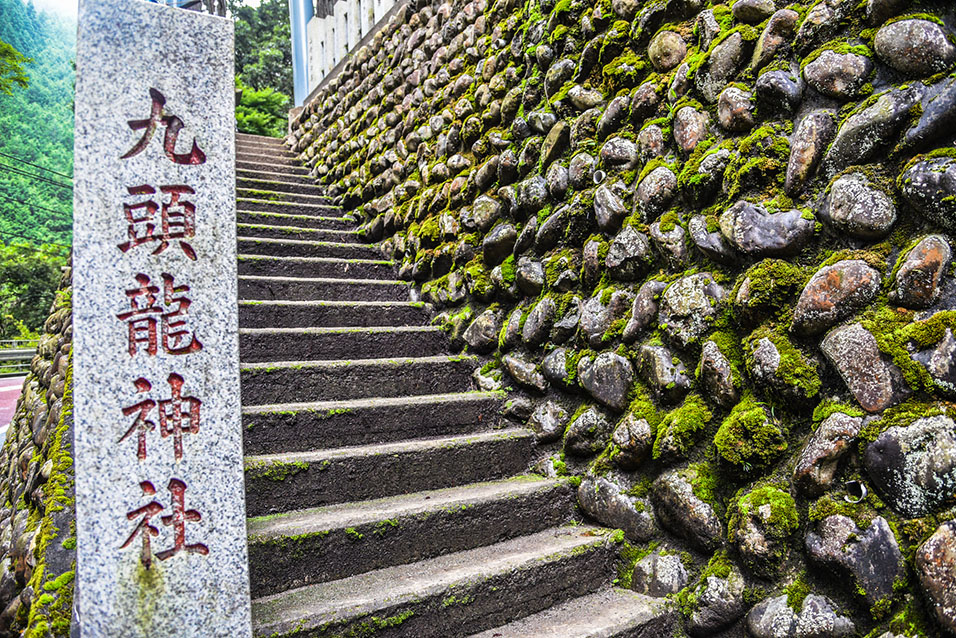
{"points": [[384, 495]]}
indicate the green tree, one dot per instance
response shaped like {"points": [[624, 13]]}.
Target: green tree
{"points": [[29, 277], [263, 66], [262, 112], [11, 68]]}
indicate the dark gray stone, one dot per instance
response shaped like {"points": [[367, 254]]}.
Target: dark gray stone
{"points": [[614, 116], [485, 212], [752, 230], [608, 378], [820, 458], [870, 558], [682, 513], [716, 376], [609, 208], [658, 575], [619, 151], [606, 503], [588, 433], [930, 186], [548, 422], [482, 334], [870, 130], [936, 567], [719, 602], [629, 256], [777, 34], [688, 306], [498, 244], [555, 369], [537, 325], [643, 310], [779, 92], [724, 62], [665, 373], [524, 372], [916, 282], [838, 75], [856, 207], [633, 439], [914, 466], [655, 192], [875, 382], [818, 618], [529, 276], [915, 47]]}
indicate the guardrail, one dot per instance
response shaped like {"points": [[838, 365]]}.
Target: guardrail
{"points": [[15, 357]]}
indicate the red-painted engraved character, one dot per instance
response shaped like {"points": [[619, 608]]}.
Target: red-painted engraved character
{"points": [[145, 313], [141, 424], [144, 528], [177, 219], [158, 117], [178, 415], [177, 520]]}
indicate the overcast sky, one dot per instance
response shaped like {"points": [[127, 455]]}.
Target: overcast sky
{"points": [[68, 7]]}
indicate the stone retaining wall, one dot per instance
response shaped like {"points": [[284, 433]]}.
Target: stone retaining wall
{"points": [[708, 247], [37, 518]]}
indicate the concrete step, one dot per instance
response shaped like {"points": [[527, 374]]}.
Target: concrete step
{"points": [[320, 288], [297, 232], [287, 196], [609, 613], [276, 175], [328, 543], [316, 267], [264, 150], [268, 383], [259, 146], [261, 139], [258, 164], [333, 222], [288, 208], [446, 596], [297, 248], [255, 156], [270, 344], [299, 480], [270, 186], [298, 427]]}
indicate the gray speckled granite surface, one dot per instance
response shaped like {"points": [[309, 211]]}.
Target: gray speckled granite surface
{"points": [[196, 585]]}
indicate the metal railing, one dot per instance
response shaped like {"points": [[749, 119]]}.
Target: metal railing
{"points": [[215, 7], [15, 356]]}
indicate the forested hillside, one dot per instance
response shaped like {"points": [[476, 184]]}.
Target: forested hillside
{"points": [[36, 128]]}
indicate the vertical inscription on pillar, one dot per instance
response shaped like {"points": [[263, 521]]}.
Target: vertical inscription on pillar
{"points": [[159, 488]]}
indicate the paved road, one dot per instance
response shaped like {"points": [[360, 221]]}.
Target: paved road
{"points": [[9, 393]]}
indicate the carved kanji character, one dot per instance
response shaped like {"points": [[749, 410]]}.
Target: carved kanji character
{"points": [[177, 520], [177, 219], [178, 415], [141, 424], [145, 313], [173, 124], [144, 528]]}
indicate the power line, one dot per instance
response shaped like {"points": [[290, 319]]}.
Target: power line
{"points": [[32, 206], [5, 167], [5, 234], [42, 168]]}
